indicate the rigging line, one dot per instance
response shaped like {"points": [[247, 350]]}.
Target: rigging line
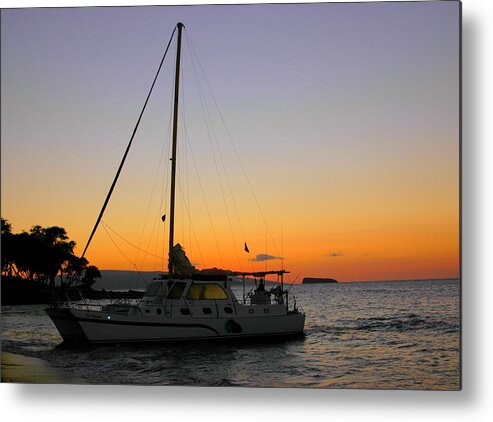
{"points": [[204, 198], [282, 251], [157, 220], [266, 251], [235, 150], [185, 191], [182, 157], [185, 150], [191, 224], [149, 208], [165, 148], [292, 284], [228, 183], [130, 243], [128, 148], [208, 121], [164, 144], [163, 193], [193, 53], [119, 250], [221, 159]]}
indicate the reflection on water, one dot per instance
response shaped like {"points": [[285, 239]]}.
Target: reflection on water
{"points": [[358, 335]]}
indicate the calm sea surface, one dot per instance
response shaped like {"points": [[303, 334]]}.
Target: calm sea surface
{"points": [[391, 335]]}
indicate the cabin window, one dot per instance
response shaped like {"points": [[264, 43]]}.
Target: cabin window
{"points": [[266, 311], [177, 290], [159, 311], [185, 311], [228, 310], [250, 311], [206, 291], [207, 311]]}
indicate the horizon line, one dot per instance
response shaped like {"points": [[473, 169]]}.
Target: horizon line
{"points": [[345, 281]]}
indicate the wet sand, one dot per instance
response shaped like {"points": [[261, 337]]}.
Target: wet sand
{"points": [[27, 370]]}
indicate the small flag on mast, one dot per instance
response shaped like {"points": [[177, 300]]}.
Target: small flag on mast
{"points": [[246, 248]]}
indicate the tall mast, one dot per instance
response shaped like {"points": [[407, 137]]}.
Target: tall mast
{"points": [[180, 26]]}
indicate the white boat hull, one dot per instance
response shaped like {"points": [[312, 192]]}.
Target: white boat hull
{"points": [[77, 325]]}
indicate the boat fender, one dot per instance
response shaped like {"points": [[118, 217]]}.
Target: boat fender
{"points": [[232, 326]]}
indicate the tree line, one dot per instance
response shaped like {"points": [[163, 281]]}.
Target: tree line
{"points": [[42, 254]]}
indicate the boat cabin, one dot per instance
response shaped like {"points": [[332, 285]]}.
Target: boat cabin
{"points": [[204, 298], [157, 291]]}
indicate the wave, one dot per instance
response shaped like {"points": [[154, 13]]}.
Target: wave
{"points": [[398, 323]]}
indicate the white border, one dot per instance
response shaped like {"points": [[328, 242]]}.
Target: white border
{"points": [[83, 403]]}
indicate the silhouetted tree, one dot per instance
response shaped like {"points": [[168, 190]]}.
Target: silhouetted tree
{"points": [[25, 255], [6, 227], [7, 257], [92, 273], [73, 270], [43, 253], [52, 252]]}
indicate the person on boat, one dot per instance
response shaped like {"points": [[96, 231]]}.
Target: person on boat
{"points": [[261, 286]]}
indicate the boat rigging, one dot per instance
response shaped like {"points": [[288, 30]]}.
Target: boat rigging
{"points": [[182, 305]]}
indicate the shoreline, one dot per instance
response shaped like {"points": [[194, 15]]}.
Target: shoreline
{"points": [[22, 369]]}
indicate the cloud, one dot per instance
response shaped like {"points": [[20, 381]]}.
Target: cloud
{"points": [[264, 257], [335, 254]]}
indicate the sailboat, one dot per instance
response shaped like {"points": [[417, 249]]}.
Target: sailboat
{"points": [[177, 308]]}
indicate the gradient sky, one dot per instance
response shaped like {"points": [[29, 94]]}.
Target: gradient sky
{"points": [[345, 118]]}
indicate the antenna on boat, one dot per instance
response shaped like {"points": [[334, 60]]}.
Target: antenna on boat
{"points": [[179, 26], [282, 251]]}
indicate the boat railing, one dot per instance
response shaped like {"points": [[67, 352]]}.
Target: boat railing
{"points": [[89, 300], [270, 297], [295, 306]]}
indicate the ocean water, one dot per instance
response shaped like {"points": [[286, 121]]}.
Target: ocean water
{"points": [[372, 335]]}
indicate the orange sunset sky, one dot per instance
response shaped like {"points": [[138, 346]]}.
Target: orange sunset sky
{"points": [[348, 149]]}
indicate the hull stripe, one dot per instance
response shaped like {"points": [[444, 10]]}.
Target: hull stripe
{"points": [[187, 339], [146, 324]]}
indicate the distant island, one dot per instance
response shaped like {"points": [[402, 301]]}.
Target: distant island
{"points": [[310, 280]]}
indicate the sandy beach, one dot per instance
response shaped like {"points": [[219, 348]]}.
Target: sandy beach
{"points": [[27, 370]]}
